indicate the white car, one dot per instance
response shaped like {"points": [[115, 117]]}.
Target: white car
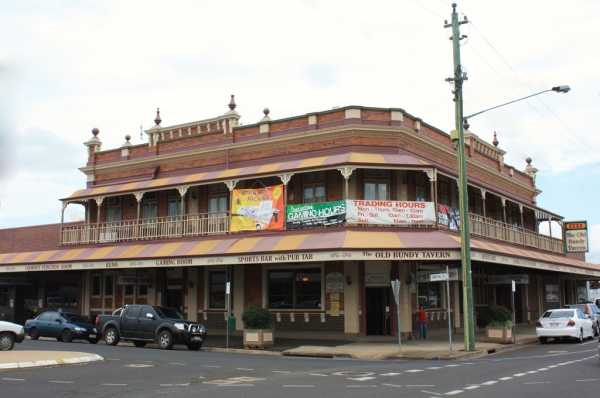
{"points": [[9, 333], [564, 323]]}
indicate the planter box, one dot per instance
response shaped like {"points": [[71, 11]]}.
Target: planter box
{"points": [[258, 338], [499, 334]]}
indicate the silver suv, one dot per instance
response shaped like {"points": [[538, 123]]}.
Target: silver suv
{"points": [[594, 314]]}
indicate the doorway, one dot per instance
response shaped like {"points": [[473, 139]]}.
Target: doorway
{"points": [[173, 299], [378, 311]]}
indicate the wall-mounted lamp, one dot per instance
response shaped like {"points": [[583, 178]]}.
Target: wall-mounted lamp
{"points": [[348, 280], [194, 195], [191, 284], [409, 281]]}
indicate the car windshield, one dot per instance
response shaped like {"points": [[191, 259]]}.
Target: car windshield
{"points": [[73, 318], [169, 313], [559, 314]]}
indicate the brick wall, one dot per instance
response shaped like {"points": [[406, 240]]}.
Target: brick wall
{"points": [[31, 239]]}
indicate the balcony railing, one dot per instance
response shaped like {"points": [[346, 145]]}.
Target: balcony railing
{"points": [[493, 229], [149, 228], [218, 223]]}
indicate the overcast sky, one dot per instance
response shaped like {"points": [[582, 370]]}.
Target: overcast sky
{"points": [[69, 66]]}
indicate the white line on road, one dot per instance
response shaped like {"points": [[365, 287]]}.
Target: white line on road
{"points": [[471, 387], [505, 378], [489, 383], [542, 369], [520, 374], [360, 386], [112, 384], [588, 380], [451, 366], [176, 363], [390, 385], [297, 385], [413, 371], [420, 385], [316, 374], [280, 371], [430, 392], [453, 392], [8, 378], [210, 366], [538, 382], [62, 382], [390, 374], [532, 371], [435, 367], [244, 369], [235, 385]]}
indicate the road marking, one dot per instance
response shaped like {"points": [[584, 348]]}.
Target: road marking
{"points": [[454, 392], [532, 372], [435, 367], [538, 382], [112, 384], [244, 369], [420, 385], [451, 366], [489, 383], [210, 366], [62, 382], [175, 385], [557, 352], [469, 363], [316, 374], [588, 380], [8, 378], [471, 387], [353, 373], [280, 371], [112, 359], [430, 392], [413, 371], [364, 378], [245, 378], [542, 369], [505, 378], [390, 385], [520, 374], [360, 386], [236, 385], [390, 374], [139, 365], [176, 363], [297, 385], [220, 382], [146, 361]]}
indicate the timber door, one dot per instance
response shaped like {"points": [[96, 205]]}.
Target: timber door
{"points": [[378, 311]]}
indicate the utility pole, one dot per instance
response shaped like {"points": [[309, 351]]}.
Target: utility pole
{"points": [[458, 136]]}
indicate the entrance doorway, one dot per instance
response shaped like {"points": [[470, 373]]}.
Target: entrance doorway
{"points": [[378, 311], [173, 299]]}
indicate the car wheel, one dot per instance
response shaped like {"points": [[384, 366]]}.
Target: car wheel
{"points": [[139, 344], [67, 337], [165, 340], [93, 341], [34, 334], [580, 339], [597, 330], [194, 346], [7, 342], [111, 337], [543, 340]]}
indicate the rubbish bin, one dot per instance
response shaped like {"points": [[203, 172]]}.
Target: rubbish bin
{"points": [[231, 324]]}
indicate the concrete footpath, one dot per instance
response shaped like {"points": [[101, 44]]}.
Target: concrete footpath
{"points": [[434, 348]]}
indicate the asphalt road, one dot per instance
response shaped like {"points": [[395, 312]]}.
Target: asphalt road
{"points": [[556, 369]]}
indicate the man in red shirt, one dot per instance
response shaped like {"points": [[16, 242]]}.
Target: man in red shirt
{"points": [[422, 320]]}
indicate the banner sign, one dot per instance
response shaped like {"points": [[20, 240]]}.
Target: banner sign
{"points": [[576, 237], [454, 274], [315, 214], [506, 279], [257, 209], [389, 212], [448, 218]]}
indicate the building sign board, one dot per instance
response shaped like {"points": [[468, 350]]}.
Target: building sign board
{"points": [[134, 280], [15, 281], [257, 209], [576, 237], [522, 279], [334, 283], [454, 274], [315, 215], [377, 279], [389, 212]]}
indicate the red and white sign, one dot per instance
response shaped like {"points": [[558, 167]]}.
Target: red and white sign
{"points": [[506, 279], [454, 274], [389, 212]]}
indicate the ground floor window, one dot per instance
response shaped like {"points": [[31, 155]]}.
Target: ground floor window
{"points": [[430, 295], [295, 288], [216, 289], [4, 296], [61, 295]]}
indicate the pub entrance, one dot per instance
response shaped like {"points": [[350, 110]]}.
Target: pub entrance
{"points": [[378, 303]]}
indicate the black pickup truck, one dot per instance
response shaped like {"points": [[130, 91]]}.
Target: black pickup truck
{"points": [[147, 323]]}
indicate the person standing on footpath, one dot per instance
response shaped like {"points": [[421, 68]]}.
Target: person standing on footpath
{"points": [[422, 320]]}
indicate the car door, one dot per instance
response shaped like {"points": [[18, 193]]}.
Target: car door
{"points": [[130, 321], [148, 324], [41, 323], [54, 324], [586, 324]]}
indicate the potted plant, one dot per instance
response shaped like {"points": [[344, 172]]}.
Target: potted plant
{"points": [[258, 330], [499, 327]]}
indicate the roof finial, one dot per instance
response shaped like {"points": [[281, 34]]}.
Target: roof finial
{"points": [[232, 104], [495, 142], [95, 131], [528, 160], [158, 120], [127, 137], [266, 111]]}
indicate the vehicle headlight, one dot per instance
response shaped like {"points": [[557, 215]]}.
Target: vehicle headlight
{"points": [[22, 330], [94, 330], [180, 326], [77, 328], [200, 329]]}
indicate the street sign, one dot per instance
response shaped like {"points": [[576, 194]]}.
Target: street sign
{"points": [[438, 277], [396, 290], [228, 288]]}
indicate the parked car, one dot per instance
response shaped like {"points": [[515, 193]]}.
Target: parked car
{"points": [[148, 323], [64, 326], [562, 323], [9, 333], [592, 310]]}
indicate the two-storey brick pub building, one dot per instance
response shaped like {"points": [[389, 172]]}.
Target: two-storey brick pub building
{"points": [[345, 200]]}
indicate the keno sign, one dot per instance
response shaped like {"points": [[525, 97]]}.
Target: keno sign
{"points": [[334, 283]]}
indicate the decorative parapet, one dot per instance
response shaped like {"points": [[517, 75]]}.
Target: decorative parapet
{"points": [[485, 148]]}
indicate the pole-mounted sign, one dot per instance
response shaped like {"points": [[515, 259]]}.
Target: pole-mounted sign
{"points": [[576, 237]]}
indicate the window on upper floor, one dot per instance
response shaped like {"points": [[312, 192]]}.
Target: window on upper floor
{"points": [[314, 187], [113, 210], [478, 205], [149, 205], [420, 188], [174, 203], [377, 184], [444, 193], [217, 200]]}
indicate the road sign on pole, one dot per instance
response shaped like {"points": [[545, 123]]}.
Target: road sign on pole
{"points": [[396, 291]]}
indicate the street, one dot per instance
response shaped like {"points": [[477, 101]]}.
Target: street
{"points": [[552, 370]]}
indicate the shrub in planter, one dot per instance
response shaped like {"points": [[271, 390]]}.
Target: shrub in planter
{"points": [[500, 316], [256, 317], [499, 328]]}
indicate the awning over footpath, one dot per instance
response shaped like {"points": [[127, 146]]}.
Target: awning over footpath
{"points": [[351, 158], [316, 246]]}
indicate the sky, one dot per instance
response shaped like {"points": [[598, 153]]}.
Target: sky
{"points": [[69, 66]]}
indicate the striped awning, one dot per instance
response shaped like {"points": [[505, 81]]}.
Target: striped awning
{"points": [[351, 158]]}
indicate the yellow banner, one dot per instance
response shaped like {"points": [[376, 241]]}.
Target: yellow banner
{"points": [[257, 209]]}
